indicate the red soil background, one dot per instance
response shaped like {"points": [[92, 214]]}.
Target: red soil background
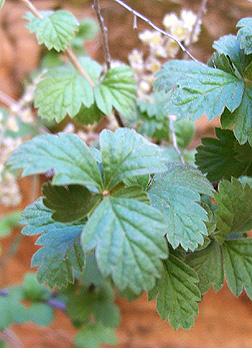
{"points": [[224, 321]]}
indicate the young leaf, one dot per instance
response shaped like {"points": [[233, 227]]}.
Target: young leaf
{"points": [[207, 263], [220, 158], [176, 194], [237, 256], [129, 243], [177, 294], [55, 30], [69, 203], [234, 204], [245, 34], [62, 91], [199, 90], [117, 89], [126, 153], [65, 154], [93, 335], [62, 253]]}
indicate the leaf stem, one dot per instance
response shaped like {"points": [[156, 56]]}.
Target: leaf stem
{"points": [[139, 15], [174, 139], [104, 36], [70, 55]]}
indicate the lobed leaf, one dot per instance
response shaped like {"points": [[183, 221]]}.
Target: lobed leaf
{"points": [[237, 255], [177, 294], [126, 153], [128, 239], [93, 335], [55, 30], [176, 194], [234, 204], [245, 34], [65, 155]]}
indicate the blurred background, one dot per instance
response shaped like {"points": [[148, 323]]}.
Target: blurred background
{"points": [[224, 321]]}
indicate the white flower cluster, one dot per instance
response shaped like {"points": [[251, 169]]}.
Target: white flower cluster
{"points": [[161, 47]]}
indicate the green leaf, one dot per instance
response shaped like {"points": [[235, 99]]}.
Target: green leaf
{"points": [[199, 89], [129, 243], [177, 294], [91, 273], [93, 335], [230, 46], [237, 256], [88, 115], [33, 291], [176, 194], [117, 89], [62, 92], [55, 30], [88, 29], [62, 253], [184, 131], [156, 108], [220, 158], [126, 153], [222, 62], [65, 154], [207, 263], [41, 314], [69, 203], [12, 312], [133, 192], [2, 3], [141, 180], [234, 204], [97, 302], [7, 222], [245, 34], [241, 117]]}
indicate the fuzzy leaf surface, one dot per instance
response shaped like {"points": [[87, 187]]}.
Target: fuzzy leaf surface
{"points": [[199, 90], [234, 202], [176, 194], [65, 154], [69, 203], [128, 239], [61, 92], [93, 335], [117, 89], [177, 294], [55, 30], [207, 263], [126, 153], [62, 253], [245, 34], [220, 158], [237, 256]]}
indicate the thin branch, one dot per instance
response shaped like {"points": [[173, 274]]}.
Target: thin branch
{"points": [[71, 56], [7, 100], [139, 15], [104, 35], [174, 139], [10, 337]]}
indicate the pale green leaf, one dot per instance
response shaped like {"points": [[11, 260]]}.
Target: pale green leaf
{"points": [[12, 312], [220, 158], [128, 239], [237, 256], [234, 204], [41, 314], [33, 291], [117, 89], [177, 294], [207, 263], [65, 155], [176, 194], [69, 203], [126, 153], [55, 30], [245, 34], [93, 335], [199, 89], [2, 3], [8, 222], [62, 92]]}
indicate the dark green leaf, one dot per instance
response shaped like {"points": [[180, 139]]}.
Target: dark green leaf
{"points": [[177, 294], [234, 204], [126, 153], [88, 115], [176, 194], [129, 243], [65, 154], [238, 265], [207, 263], [222, 62], [245, 34], [55, 29], [69, 203], [141, 180], [93, 335]]}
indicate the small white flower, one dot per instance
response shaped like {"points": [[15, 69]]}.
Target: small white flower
{"points": [[11, 124], [69, 128], [153, 65], [188, 18], [145, 86], [170, 20], [172, 48]]}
